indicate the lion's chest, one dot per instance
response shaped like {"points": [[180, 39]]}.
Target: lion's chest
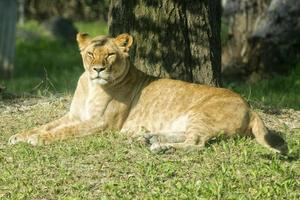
{"points": [[94, 106], [105, 108]]}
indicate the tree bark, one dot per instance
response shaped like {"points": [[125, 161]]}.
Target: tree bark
{"points": [[173, 39], [21, 11], [242, 16], [8, 10]]}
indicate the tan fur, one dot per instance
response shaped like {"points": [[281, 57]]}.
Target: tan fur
{"points": [[113, 94]]}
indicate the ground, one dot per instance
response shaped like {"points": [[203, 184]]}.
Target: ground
{"points": [[110, 166]]}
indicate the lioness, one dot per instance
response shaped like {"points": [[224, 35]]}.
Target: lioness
{"points": [[113, 94]]}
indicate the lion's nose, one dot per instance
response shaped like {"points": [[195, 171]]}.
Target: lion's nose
{"points": [[99, 69]]}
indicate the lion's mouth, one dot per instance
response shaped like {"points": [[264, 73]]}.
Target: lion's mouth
{"points": [[100, 80], [103, 76], [97, 77]]}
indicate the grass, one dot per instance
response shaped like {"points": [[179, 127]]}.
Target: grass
{"points": [[278, 92], [109, 166]]}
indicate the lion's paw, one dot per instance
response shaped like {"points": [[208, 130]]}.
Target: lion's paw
{"points": [[39, 139], [34, 140], [17, 138]]}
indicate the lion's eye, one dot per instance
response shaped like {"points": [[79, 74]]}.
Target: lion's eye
{"points": [[90, 54]]}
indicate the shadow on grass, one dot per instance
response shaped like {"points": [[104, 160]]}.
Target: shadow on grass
{"points": [[238, 139], [289, 158]]}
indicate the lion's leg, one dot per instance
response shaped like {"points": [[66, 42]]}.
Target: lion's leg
{"points": [[23, 137], [193, 139], [190, 144], [145, 136], [164, 141], [164, 137], [78, 129], [165, 147], [56, 123]]}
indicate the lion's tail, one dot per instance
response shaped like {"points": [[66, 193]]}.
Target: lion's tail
{"points": [[268, 139]]}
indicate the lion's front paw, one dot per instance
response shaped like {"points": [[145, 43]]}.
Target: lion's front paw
{"points": [[39, 139], [34, 140], [16, 139]]}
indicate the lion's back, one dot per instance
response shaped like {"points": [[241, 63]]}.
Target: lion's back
{"points": [[163, 101]]}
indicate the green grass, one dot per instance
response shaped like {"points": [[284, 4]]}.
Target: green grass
{"points": [[109, 166], [277, 92]]}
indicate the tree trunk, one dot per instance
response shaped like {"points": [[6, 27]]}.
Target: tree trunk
{"points": [[263, 37], [242, 16], [173, 39], [21, 11], [8, 10]]}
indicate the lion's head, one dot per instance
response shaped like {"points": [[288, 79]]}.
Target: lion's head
{"points": [[105, 58]]}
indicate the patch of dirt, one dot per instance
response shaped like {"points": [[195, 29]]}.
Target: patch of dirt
{"points": [[26, 104], [281, 119]]}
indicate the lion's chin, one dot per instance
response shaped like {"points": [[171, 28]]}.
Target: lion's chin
{"points": [[100, 81]]}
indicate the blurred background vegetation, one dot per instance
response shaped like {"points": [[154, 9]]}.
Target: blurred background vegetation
{"points": [[45, 65], [48, 65]]}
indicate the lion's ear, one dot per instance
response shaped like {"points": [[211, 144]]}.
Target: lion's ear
{"points": [[83, 40], [124, 41]]}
